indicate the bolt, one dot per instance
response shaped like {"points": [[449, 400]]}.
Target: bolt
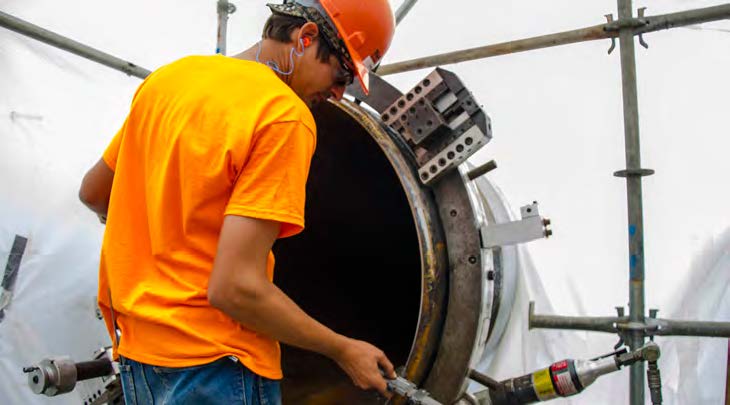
{"points": [[490, 275], [548, 233], [452, 213], [546, 222], [472, 259]]}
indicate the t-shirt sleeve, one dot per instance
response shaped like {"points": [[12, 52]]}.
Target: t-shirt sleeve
{"points": [[112, 151], [272, 183]]}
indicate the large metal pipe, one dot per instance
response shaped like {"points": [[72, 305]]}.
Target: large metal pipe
{"points": [[51, 38], [374, 263], [596, 32]]}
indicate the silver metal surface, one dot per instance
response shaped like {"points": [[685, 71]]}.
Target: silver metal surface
{"points": [[411, 392], [532, 226], [445, 101], [67, 44], [469, 399], [501, 277], [52, 376], [589, 370], [455, 154]]}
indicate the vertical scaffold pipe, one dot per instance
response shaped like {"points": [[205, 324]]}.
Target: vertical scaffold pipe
{"points": [[634, 197]]}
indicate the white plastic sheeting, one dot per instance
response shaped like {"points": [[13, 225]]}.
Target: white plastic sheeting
{"points": [[557, 138], [693, 369]]}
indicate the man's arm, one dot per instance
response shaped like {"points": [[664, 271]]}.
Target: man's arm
{"points": [[96, 188], [239, 287]]}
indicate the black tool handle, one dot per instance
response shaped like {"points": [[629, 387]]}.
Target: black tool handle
{"points": [[92, 369]]}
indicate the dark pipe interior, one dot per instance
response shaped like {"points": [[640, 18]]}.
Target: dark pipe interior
{"points": [[356, 267]]}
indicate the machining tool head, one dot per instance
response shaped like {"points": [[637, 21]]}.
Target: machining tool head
{"points": [[52, 376]]}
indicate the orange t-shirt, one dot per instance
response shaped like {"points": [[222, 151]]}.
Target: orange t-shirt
{"points": [[206, 136]]}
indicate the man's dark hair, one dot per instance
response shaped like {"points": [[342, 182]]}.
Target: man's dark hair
{"points": [[279, 28]]}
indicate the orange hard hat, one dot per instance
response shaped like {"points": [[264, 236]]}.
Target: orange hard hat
{"points": [[364, 27]]}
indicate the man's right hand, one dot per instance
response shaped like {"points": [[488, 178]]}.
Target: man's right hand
{"points": [[363, 362]]}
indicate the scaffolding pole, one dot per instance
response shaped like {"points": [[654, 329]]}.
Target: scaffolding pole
{"points": [[51, 38], [596, 32], [635, 339], [403, 10], [224, 10]]}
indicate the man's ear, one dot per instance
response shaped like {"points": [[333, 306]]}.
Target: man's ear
{"points": [[308, 30]]}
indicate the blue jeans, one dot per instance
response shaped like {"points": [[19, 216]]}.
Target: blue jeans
{"points": [[224, 381]]}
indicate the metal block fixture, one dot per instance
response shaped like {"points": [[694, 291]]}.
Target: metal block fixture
{"points": [[532, 226], [441, 121]]}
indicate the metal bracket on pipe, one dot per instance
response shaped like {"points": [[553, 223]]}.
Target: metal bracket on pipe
{"points": [[532, 226], [634, 172], [627, 23]]}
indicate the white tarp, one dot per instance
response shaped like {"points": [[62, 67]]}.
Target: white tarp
{"points": [[558, 138]]}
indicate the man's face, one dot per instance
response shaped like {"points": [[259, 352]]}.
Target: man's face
{"points": [[316, 81]]}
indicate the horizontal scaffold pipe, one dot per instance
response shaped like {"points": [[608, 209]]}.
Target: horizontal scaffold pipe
{"points": [[651, 326], [51, 38], [596, 32]]}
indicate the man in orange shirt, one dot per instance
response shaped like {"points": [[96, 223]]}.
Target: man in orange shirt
{"points": [[208, 170]]}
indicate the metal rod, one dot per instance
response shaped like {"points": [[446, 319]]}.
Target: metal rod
{"points": [[652, 327], [484, 380], [593, 323], [670, 327], [596, 32], [562, 38], [403, 10], [635, 339], [224, 9], [482, 170], [684, 18], [33, 31]]}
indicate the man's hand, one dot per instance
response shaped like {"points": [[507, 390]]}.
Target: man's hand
{"points": [[363, 362]]}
